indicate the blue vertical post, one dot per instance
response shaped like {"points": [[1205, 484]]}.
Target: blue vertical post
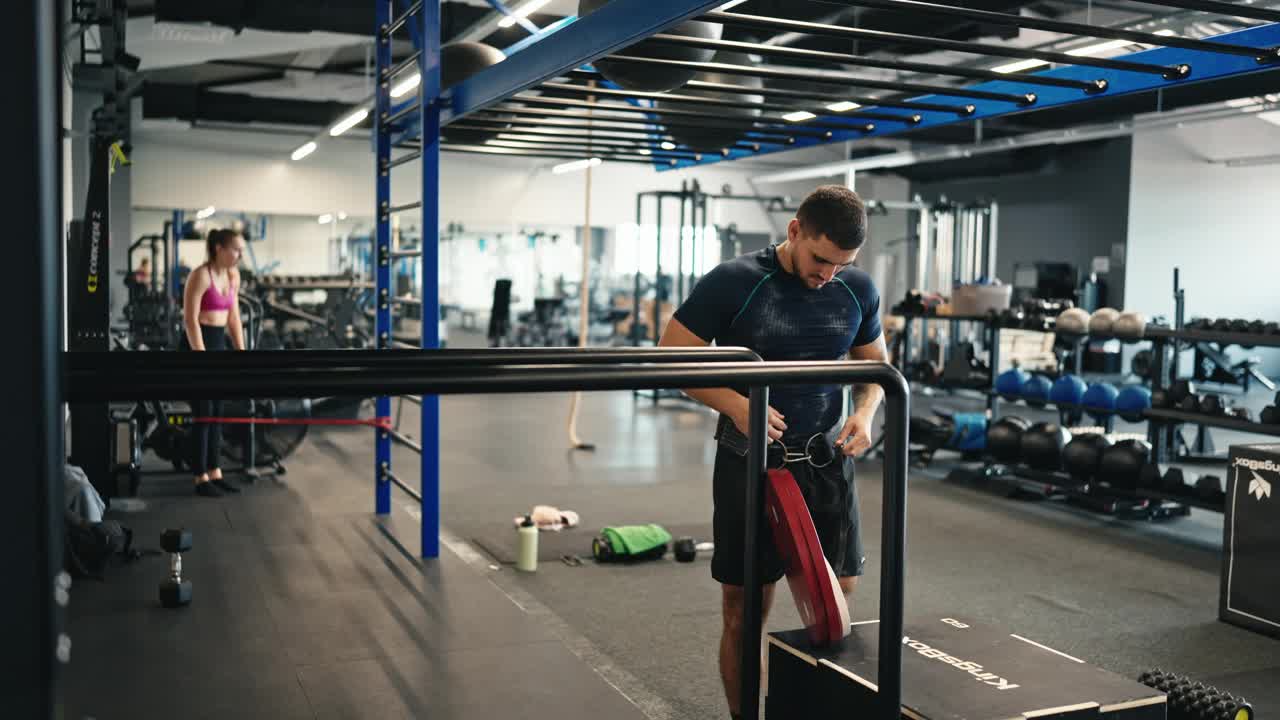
{"points": [[428, 98], [382, 250]]}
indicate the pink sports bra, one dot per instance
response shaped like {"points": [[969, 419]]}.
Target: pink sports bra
{"points": [[215, 301]]}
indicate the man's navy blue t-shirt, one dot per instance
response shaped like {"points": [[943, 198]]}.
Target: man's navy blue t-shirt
{"points": [[751, 301]]}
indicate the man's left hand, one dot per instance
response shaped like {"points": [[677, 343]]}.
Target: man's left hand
{"points": [[855, 437]]}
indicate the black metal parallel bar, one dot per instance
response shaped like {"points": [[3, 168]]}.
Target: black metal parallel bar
{"points": [[407, 206], [840, 31], [402, 485], [402, 113], [567, 155], [403, 439], [724, 124], [400, 66], [635, 136], [996, 18], [757, 134], [829, 79], [367, 374], [406, 253], [753, 562], [1220, 8], [590, 143], [783, 51], [399, 22], [406, 158], [666, 112], [1218, 421], [825, 99]]}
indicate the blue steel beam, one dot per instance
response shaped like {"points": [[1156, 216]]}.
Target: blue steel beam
{"points": [[613, 27], [428, 96], [382, 264], [1205, 67]]}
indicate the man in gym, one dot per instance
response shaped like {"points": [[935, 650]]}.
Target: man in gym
{"points": [[800, 300]]}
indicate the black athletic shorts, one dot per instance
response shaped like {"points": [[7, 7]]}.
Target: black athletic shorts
{"points": [[829, 492]]}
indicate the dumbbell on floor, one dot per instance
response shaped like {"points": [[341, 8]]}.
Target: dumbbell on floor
{"points": [[174, 591], [686, 548]]}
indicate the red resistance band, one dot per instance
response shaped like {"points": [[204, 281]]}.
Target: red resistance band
{"points": [[381, 422]]}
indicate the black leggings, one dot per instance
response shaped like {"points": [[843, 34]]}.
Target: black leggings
{"points": [[206, 439]]}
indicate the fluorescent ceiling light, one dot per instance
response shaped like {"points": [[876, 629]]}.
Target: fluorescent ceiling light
{"points": [[406, 85], [325, 219], [522, 12], [575, 165], [1100, 47], [668, 145], [205, 213], [843, 106], [1167, 32], [303, 151], [349, 122], [799, 116], [645, 151], [1019, 66], [731, 4], [342, 215]]}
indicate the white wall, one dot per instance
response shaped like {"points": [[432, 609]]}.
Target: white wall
{"points": [[253, 173], [1220, 225]]}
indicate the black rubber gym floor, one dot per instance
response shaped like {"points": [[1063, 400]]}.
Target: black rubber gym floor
{"points": [[304, 607]]}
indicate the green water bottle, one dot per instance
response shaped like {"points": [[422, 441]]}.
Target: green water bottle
{"points": [[527, 560]]}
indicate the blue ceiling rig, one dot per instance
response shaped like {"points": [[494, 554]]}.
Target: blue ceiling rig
{"points": [[497, 98]]}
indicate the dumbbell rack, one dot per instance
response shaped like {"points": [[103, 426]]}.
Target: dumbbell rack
{"points": [[990, 336], [1163, 422]]}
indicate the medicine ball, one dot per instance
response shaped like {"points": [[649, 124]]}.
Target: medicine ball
{"points": [[1068, 390], [1100, 398], [1036, 390], [1009, 383], [1132, 401], [1042, 446], [1122, 464], [1004, 438], [459, 61], [712, 139], [1129, 326], [1083, 455], [1073, 321], [1102, 320], [652, 78]]}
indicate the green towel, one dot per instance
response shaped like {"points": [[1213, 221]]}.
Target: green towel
{"points": [[636, 539]]}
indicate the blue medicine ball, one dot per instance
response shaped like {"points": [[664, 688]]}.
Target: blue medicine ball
{"points": [[1068, 390], [1132, 401], [1036, 390], [1009, 383], [1100, 398]]}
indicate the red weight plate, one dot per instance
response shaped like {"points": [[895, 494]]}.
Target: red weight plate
{"points": [[812, 583]]}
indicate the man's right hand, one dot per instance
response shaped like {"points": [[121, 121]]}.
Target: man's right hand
{"points": [[776, 424]]}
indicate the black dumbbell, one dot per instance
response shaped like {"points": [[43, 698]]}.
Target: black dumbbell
{"points": [[1239, 326], [687, 549], [1190, 403], [174, 591], [1270, 415], [1180, 390], [1221, 325], [1271, 328], [1209, 489], [1160, 399], [1211, 404], [1173, 482], [1257, 327], [1198, 324]]}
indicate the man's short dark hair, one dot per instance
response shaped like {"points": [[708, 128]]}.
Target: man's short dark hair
{"points": [[837, 212]]}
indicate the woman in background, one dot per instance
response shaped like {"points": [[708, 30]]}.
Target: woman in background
{"points": [[211, 317]]}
